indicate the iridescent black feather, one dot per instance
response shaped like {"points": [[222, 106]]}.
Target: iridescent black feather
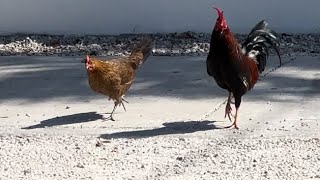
{"points": [[258, 43]]}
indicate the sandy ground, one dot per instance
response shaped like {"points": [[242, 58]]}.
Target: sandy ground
{"points": [[51, 123]]}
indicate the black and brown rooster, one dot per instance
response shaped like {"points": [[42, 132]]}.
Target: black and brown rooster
{"points": [[236, 67]]}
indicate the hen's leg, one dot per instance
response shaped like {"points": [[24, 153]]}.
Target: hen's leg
{"points": [[123, 100], [123, 106], [111, 114], [228, 110]]}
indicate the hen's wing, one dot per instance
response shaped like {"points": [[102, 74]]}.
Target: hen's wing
{"points": [[123, 70]]}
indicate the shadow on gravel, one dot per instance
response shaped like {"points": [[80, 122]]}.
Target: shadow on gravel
{"points": [[69, 119], [169, 128]]}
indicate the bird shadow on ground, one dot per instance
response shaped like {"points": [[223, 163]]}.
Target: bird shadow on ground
{"points": [[68, 119], [181, 127]]}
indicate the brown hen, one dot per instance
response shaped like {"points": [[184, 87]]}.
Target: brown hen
{"points": [[114, 77]]}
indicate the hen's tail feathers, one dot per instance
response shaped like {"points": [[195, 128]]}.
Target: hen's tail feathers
{"points": [[258, 43], [142, 50]]}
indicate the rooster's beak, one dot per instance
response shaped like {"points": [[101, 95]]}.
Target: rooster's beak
{"points": [[83, 61]]}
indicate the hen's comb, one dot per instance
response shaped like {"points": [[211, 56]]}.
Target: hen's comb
{"points": [[220, 13], [87, 58]]}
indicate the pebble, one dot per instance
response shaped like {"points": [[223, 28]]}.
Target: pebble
{"points": [[179, 158], [165, 44]]}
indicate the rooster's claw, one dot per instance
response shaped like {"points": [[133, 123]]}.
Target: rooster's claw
{"points": [[232, 125]]}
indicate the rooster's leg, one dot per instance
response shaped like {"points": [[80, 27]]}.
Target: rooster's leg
{"points": [[237, 104], [234, 124], [236, 118], [228, 110]]}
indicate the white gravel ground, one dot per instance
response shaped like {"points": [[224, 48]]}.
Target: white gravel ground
{"points": [[78, 157], [51, 123]]}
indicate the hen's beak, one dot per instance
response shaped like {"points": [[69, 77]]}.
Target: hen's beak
{"points": [[83, 61]]}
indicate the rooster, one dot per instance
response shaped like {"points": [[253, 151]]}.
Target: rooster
{"points": [[114, 77], [236, 67]]}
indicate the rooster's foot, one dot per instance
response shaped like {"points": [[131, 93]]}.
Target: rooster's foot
{"points": [[232, 125]]}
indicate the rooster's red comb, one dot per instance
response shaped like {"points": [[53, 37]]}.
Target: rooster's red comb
{"points": [[220, 13]]}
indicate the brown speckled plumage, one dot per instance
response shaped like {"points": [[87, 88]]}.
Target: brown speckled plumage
{"points": [[114, 77]]}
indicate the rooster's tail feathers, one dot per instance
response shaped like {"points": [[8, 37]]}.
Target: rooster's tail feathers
{"points": [[142, 50], [258, 43]]}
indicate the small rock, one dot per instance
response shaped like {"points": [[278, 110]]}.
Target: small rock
{"points": [[99, 143], [179, 158], [27, 171], [115, 149], [79, 165]]}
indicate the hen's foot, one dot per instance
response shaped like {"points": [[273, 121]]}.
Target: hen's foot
{"points": [[125, 100], [109, 118], [111, 114]]}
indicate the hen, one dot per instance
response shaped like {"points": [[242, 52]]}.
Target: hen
{"points": [[114, 77], [236, 67]]}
